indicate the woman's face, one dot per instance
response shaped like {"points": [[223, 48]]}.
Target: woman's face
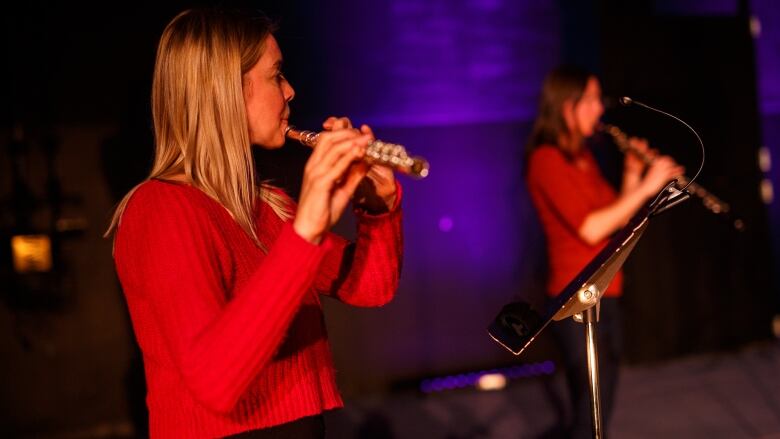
{"points": [[588, 110], [266, 97]]}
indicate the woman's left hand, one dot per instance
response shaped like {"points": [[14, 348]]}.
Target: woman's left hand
{"points": [[633, 164], [377, 192]]}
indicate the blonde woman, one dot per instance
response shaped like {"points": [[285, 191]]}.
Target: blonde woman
{"points": [[222, 275]]}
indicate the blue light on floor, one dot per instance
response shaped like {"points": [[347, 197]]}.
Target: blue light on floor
{"points": [[452, 382]]}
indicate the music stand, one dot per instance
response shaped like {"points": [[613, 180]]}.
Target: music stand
{"points": [[517, 324]]}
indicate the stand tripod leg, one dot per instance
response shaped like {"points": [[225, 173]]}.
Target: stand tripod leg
{"points": [[589, 317]]}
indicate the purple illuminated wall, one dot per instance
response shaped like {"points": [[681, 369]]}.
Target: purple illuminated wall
{"points": [[439, 63], [456, 82], [768, 63]]}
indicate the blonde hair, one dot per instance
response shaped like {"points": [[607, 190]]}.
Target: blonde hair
{"points": [[200, 122]]}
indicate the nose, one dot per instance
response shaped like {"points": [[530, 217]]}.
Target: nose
{"points": [[600, 107], [289, 91]]}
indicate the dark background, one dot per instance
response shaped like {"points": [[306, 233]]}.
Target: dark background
{"points": [[456, 82]]}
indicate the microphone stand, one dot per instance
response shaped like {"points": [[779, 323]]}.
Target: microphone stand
{"points": [[517, 324]]}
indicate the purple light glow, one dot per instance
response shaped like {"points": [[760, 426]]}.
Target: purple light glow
{"points": [[445, 224], [768, 55]]}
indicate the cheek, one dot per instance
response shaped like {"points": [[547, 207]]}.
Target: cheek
{"points": [[258, 111], [582, 117], [269, 107], [264, 118], [255, 123], [586, 120], [594, 112]]}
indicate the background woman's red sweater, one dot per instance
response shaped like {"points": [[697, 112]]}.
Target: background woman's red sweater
{"points": [[233, 339], [564, 194]]}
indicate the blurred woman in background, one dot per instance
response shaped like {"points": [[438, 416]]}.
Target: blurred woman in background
{"points": [[579, 211]]}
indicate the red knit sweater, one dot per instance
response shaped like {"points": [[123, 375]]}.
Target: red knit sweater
{"points": [[233, 339], [564, 194]]}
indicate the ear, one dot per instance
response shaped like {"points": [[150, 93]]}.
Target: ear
{"points": [[246, 86], [567, 112]]}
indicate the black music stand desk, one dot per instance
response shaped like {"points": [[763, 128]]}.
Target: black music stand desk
{"points": [[517, 324]]}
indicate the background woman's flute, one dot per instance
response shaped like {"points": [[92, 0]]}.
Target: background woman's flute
{"points": [[710, 201], [377, 152]]}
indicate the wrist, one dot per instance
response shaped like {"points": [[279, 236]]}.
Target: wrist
{"points": [[307, 233], [373, 209], [633, 172], [376, 204], [630, 181], [390, 201], [646, 190]]}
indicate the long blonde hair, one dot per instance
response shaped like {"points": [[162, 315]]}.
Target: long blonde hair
{"points": [[200, 121]]}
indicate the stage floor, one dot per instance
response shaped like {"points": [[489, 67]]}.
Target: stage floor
{"points": [[725, 395]]}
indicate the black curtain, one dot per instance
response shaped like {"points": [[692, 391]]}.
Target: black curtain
{"points": [[694, 283]]}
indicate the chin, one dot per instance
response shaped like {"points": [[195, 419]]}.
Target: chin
{"points": [[274, 143], [589, 131]]}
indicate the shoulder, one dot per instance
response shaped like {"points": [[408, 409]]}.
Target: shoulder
{"points": [[163, 201], [545, 159], [547, 153], [156, 191], [161, 218]]}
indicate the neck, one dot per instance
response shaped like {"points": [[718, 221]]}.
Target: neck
{"points": [[571, 142], [178, 177]]}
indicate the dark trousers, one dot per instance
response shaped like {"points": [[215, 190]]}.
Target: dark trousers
{"points": [[570, 338], [311, 427]]}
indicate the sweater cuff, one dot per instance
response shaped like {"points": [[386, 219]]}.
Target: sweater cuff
{"points": [[365, 216], [296, 244]]}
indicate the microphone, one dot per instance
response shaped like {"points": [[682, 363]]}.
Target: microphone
{"points": [[627, 101]]}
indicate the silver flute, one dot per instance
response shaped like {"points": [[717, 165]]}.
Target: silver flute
{"points": [[377, 152]]}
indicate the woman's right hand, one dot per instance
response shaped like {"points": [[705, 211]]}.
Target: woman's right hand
{"points": [[329, 179], [659, 173]]}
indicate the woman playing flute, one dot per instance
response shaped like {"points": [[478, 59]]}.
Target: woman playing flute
{"points": [[222, 273]]}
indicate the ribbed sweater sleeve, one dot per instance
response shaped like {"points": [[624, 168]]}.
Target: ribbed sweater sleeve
{"points": [[366, 272], [166, 249]]}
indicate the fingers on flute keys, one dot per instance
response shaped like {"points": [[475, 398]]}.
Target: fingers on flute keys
{"points": [[335, 150]]}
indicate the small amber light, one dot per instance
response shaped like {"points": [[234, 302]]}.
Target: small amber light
{"points": [[31, 253]]}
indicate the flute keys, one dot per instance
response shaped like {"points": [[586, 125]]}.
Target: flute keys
{"points": [[388, 153]]}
